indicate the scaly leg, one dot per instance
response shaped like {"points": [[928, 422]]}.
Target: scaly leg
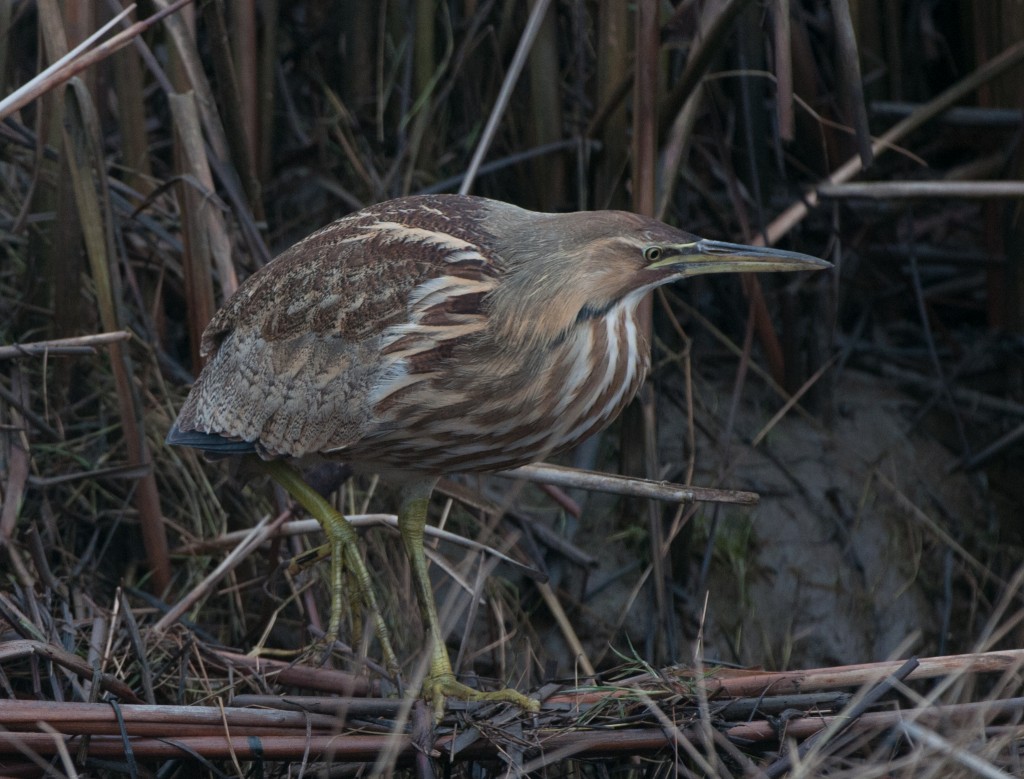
{"points": [[440, 681], [343, 543]]}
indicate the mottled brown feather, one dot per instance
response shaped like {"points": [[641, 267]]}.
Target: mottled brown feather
{"points": [[432, 334]]}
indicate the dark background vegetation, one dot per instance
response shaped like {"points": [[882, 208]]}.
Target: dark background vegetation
{"points": [[136, 195]]}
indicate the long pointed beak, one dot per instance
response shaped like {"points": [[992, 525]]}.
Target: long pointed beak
{"points": [[706, 256]]}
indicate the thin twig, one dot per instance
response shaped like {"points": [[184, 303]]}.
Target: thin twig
{"points": [[81, 345], [845, 719], [627, 485], [72, 64], [511, 78], [971, 762]]}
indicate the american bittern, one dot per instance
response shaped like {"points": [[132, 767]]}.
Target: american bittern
{"points": [[438, 334]]}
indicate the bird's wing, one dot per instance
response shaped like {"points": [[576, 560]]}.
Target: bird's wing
{"points": [[302, 355]]}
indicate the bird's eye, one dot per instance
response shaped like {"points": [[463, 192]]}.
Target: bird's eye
{"points": [[652, 253]]}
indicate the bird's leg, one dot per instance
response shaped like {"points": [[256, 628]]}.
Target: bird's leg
{"points": [[440, 681], [343, 543]]}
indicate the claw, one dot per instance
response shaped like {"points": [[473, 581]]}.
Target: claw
{"points": [[437, 689]]}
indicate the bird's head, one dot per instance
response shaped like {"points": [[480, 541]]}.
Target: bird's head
{"points": [[581, 265]]}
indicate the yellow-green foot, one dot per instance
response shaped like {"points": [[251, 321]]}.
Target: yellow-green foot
{"points": [[440, 682], [346, 559], [437, 689]]}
